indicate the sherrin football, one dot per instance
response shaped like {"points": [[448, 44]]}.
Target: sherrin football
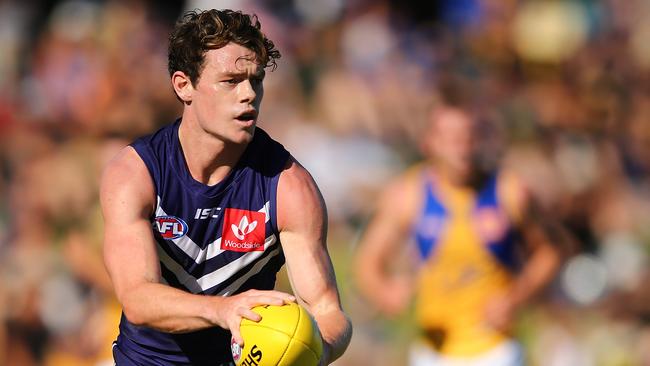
{"points": [[286, 336]]}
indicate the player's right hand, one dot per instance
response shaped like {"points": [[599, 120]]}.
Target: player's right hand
{"points": [[232, 309]]}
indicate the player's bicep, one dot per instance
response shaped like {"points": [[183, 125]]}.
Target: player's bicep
{"points": [[302, 220], [126, 196]]}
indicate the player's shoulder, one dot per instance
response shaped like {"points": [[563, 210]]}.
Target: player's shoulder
{"points": [[295, 176], [126, 161], [402, 194], [299, 201], [407, 183], [511, 182], [513, 192], [126, 171]]}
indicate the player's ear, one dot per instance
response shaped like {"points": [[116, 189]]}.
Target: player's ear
{"points": [[182, 86]]}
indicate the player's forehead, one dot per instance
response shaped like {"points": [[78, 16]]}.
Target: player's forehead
{"points": [[232, 59], [451, 122]]}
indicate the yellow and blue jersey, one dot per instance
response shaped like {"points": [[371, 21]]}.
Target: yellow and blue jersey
{"points": [[466, 241]]}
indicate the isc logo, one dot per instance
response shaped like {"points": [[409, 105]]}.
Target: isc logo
{"points": [[170, 227], [204, 213]]}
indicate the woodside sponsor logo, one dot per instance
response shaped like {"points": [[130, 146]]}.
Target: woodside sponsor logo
{"points": [[243, 230]]}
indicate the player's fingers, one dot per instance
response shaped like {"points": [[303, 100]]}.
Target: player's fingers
{"points": [[285, 297], [250, 314], [236, 335], [266, 300], [234, 330]]}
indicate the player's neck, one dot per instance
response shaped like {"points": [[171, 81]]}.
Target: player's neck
{"points": [[451, 177], [208, 158]]}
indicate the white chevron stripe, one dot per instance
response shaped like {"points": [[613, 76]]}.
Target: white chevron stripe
{"points": [[218, 276], [213, 249], [257, 267], [183, 277]]}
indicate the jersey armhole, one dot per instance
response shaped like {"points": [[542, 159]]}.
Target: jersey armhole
{"points": [[273, 197], [143, 150]]}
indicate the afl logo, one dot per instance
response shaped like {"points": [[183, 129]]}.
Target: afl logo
{"points": [[170, 227]]}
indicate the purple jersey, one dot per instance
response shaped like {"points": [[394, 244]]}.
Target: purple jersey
{"points": [[212, 240]]}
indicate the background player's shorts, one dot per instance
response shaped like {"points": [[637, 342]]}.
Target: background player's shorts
{"points": [[508, 353]]}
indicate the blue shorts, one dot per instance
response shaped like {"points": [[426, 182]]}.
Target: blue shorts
{"points": [[122, 359]]}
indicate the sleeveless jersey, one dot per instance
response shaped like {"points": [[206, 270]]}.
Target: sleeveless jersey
{"points": [[211, 240], [466, 243]]}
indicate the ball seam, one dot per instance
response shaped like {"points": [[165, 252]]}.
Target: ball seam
{"points": [[284, 353], [257, 325], [308, 347], [300, 318], [291, 336]]}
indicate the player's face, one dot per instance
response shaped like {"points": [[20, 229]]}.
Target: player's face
{"points": [[452, 142], [227, 97]]}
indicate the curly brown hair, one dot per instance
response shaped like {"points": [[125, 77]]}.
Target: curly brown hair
{"points": [[197, 32]]}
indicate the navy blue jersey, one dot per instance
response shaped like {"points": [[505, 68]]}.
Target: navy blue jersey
{"points": [[212, 240]]}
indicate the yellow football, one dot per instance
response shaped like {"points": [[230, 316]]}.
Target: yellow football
{"points": [[286, 336]]}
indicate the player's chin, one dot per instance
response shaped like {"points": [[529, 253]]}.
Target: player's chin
{"points": [[244, 133]]}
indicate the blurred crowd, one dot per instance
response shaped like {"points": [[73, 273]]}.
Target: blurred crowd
{"points": [[563, 88]]}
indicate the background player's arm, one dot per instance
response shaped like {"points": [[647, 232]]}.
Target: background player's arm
{"points": [[383, 240], [543, 237], [127, 198], [302, 220]]}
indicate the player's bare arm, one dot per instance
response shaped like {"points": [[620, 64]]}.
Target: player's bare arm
{"points": [[130, 255], [543, 238], [382, 239], [302, 220]]}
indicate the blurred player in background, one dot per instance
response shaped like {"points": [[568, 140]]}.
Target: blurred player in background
{"points": [[201, 215], [467, 223]]}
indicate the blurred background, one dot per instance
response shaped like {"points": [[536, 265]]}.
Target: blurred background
{"points": [[564, 87]]}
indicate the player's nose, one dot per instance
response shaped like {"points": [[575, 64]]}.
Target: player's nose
{"points": [[246, 91]]}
